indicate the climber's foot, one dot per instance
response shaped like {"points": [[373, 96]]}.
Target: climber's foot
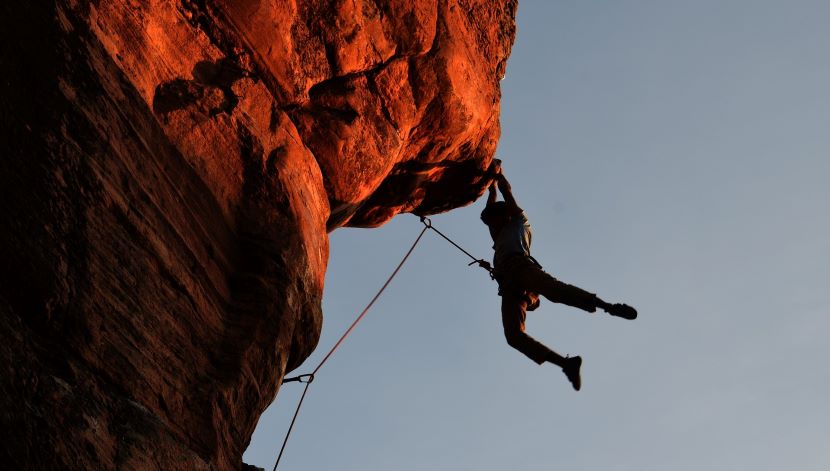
{"points": [[622, 310], [571, 370]]}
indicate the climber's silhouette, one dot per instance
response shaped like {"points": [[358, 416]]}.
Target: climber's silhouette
{"points": [[521, 280]]}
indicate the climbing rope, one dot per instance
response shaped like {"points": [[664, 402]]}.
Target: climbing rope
{"points": [[308, 378], [481, 262]]}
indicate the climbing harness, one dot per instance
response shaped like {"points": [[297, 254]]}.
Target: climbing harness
{"points": [[308, 378]]}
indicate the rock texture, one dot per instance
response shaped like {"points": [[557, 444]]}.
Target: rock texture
{"points": [[170, 171]]}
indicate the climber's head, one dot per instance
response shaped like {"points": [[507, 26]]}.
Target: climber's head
{"points": [[495, 215]]}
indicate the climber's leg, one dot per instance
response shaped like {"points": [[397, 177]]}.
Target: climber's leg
{"points": [[513, 312], [533, 278]]}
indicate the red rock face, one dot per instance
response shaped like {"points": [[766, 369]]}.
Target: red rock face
{"points": [[170, 171]]}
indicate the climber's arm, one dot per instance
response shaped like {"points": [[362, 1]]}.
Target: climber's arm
{"points": [[504, 186], [491, 198], [493, 173]]}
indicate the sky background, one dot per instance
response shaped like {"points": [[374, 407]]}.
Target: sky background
{"points": [[671, 154]]}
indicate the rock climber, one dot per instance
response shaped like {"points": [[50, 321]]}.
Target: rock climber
{"points": [[521, 280]]}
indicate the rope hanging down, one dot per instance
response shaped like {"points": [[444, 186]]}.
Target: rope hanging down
{"points": [[309, 377]]}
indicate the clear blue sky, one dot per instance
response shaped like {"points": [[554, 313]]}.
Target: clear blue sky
{"points": [[672, 154]]}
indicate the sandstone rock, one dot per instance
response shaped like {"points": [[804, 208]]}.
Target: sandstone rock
{"points": [[170, 171]]}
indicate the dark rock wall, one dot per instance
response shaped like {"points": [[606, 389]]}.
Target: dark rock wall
{"points": [[170, 170]]}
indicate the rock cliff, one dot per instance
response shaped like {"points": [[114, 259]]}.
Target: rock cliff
{"points": [[170, 171]]}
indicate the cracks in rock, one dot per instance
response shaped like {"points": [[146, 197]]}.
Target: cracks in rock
{"points": [[201, 93], [274, 119], [221, 74], [347, 114], [331, 58], [373, 87], [210, 92], [318, 87], [203, 17], [340, 85], [440, 8], [240, 55], [224, 34], [221, 30], [175, 95], [251, 152], [373, 70], [337, 86]]}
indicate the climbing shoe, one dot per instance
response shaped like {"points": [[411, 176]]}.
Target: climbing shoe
{"points": [[623, 310], [571, 370]]}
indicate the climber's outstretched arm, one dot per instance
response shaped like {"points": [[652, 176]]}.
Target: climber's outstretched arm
{"points": [[491, 198], [492, 173], [504, 186]]}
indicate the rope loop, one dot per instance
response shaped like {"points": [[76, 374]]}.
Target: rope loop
{"points": [[427, 221]]}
